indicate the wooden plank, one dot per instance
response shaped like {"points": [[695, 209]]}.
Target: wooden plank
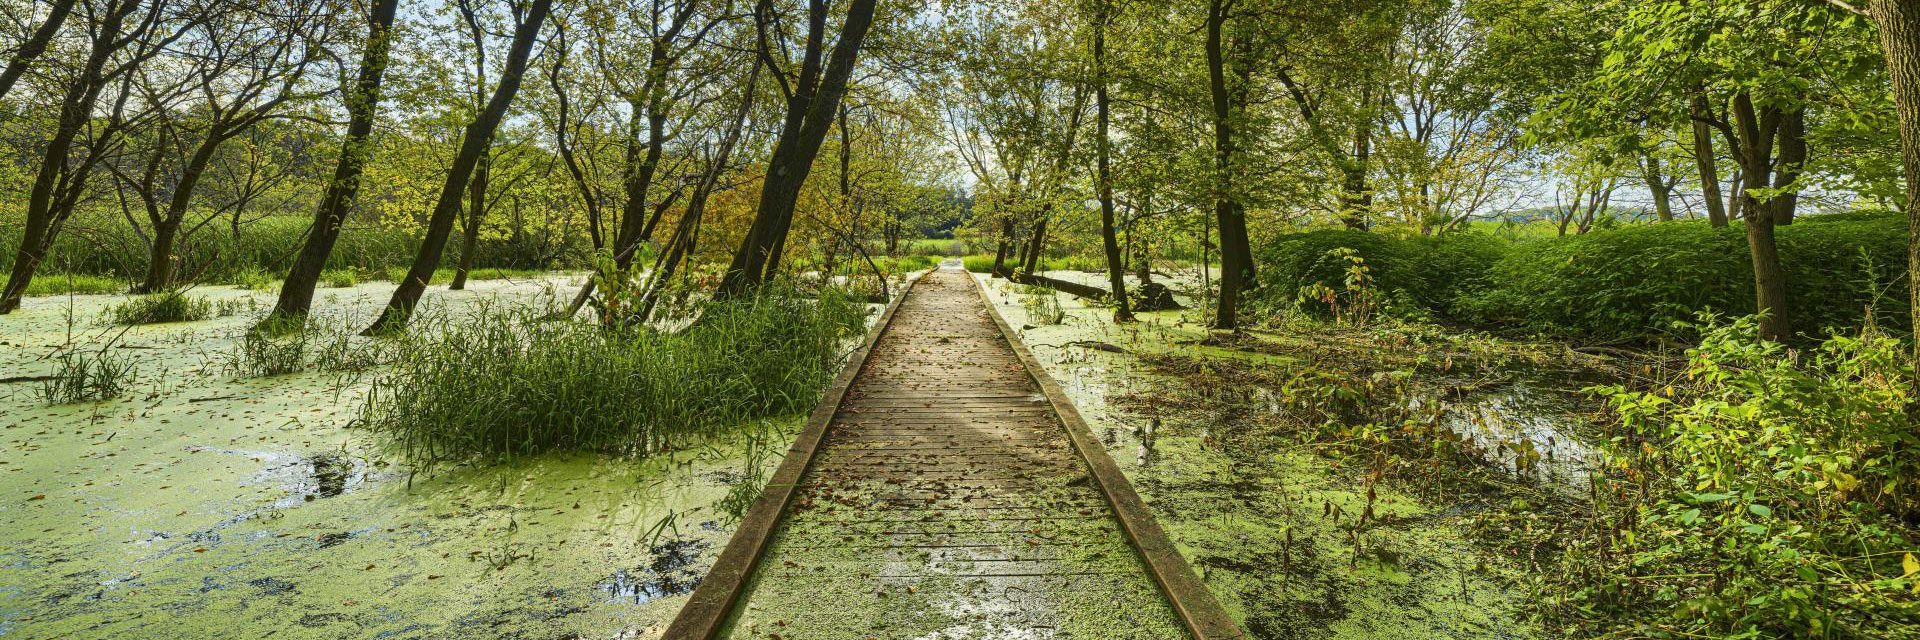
{"points": [[707, 609], [1198, 609]]}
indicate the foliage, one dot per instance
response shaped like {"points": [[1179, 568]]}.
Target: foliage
{"points": [[1766, 493], [1354, 300], [507, 384], [1042, 304], [1641, 279], [155, 308]]}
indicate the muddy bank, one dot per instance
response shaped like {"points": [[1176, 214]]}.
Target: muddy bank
{"points": [[205, 504], [1274, 525]]}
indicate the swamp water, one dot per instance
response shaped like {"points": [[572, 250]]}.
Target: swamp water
{"points": [[201, 504], [1271, 526]]}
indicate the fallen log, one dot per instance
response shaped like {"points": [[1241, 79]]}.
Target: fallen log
{"points": [[1070, 288]]}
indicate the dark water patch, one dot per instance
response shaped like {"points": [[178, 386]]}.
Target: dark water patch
{"points": [[669, 573], [318, 620], [273, 586]]}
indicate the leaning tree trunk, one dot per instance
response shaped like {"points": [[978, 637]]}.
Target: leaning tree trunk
{"points": [[1899, 22], [473, 144], [1116, 278], [1006, 238], [363, 101]]}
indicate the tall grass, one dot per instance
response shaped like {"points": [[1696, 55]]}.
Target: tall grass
{"points": [[506, 384], [87, 377], [96, 242], [165, 306]]}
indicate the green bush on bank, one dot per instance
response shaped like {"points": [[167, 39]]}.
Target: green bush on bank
{"points": [[1640, 280], [1628, 282], [1428, 273]]}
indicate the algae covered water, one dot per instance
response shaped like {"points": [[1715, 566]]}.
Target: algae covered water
{"points": [[204, 503], [1272, 526]]}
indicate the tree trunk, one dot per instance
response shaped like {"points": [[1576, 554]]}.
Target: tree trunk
{"points": [[470, 231], [363, 101], [1705, 158], [1660, 190], [1236, 257], [473, 144], [1792, 156], [1899, 22], [1357, 202], [1116, 276], [1000, 256], [35, 45], [1759, 130], [810, 114]]}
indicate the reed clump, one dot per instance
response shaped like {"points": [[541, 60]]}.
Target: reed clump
{"points": [[508, 384]]}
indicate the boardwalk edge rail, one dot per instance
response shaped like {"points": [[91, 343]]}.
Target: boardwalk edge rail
{"points": [[1198, 609], [712, 602]]}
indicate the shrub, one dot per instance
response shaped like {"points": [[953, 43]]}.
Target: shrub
{"points": [[155, 308], [1644, 279], [1412, 275], [1766, 495], [508, 384], [978, 264]]}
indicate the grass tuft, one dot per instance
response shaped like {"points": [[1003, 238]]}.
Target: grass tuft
{"points": [[88, 377]]}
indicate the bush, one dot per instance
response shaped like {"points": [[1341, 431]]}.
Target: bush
{"points": [[1412, 275], [978, 264], [508, 384], [155, 308], [1644, 279], [1769, 495]]}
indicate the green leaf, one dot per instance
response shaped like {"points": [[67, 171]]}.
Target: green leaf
{"points": [[1760, 510]]}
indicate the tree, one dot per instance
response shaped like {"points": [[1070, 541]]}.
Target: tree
{"points": [[123, 34], [362, 99], [234, 70], [1116, 279], [473, 143], [813, 98]]}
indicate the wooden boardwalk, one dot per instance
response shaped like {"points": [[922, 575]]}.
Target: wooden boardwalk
{"points": [[941, 492]]}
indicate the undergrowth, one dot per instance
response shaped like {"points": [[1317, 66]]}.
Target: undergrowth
{"points": [[1762, 493]]}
